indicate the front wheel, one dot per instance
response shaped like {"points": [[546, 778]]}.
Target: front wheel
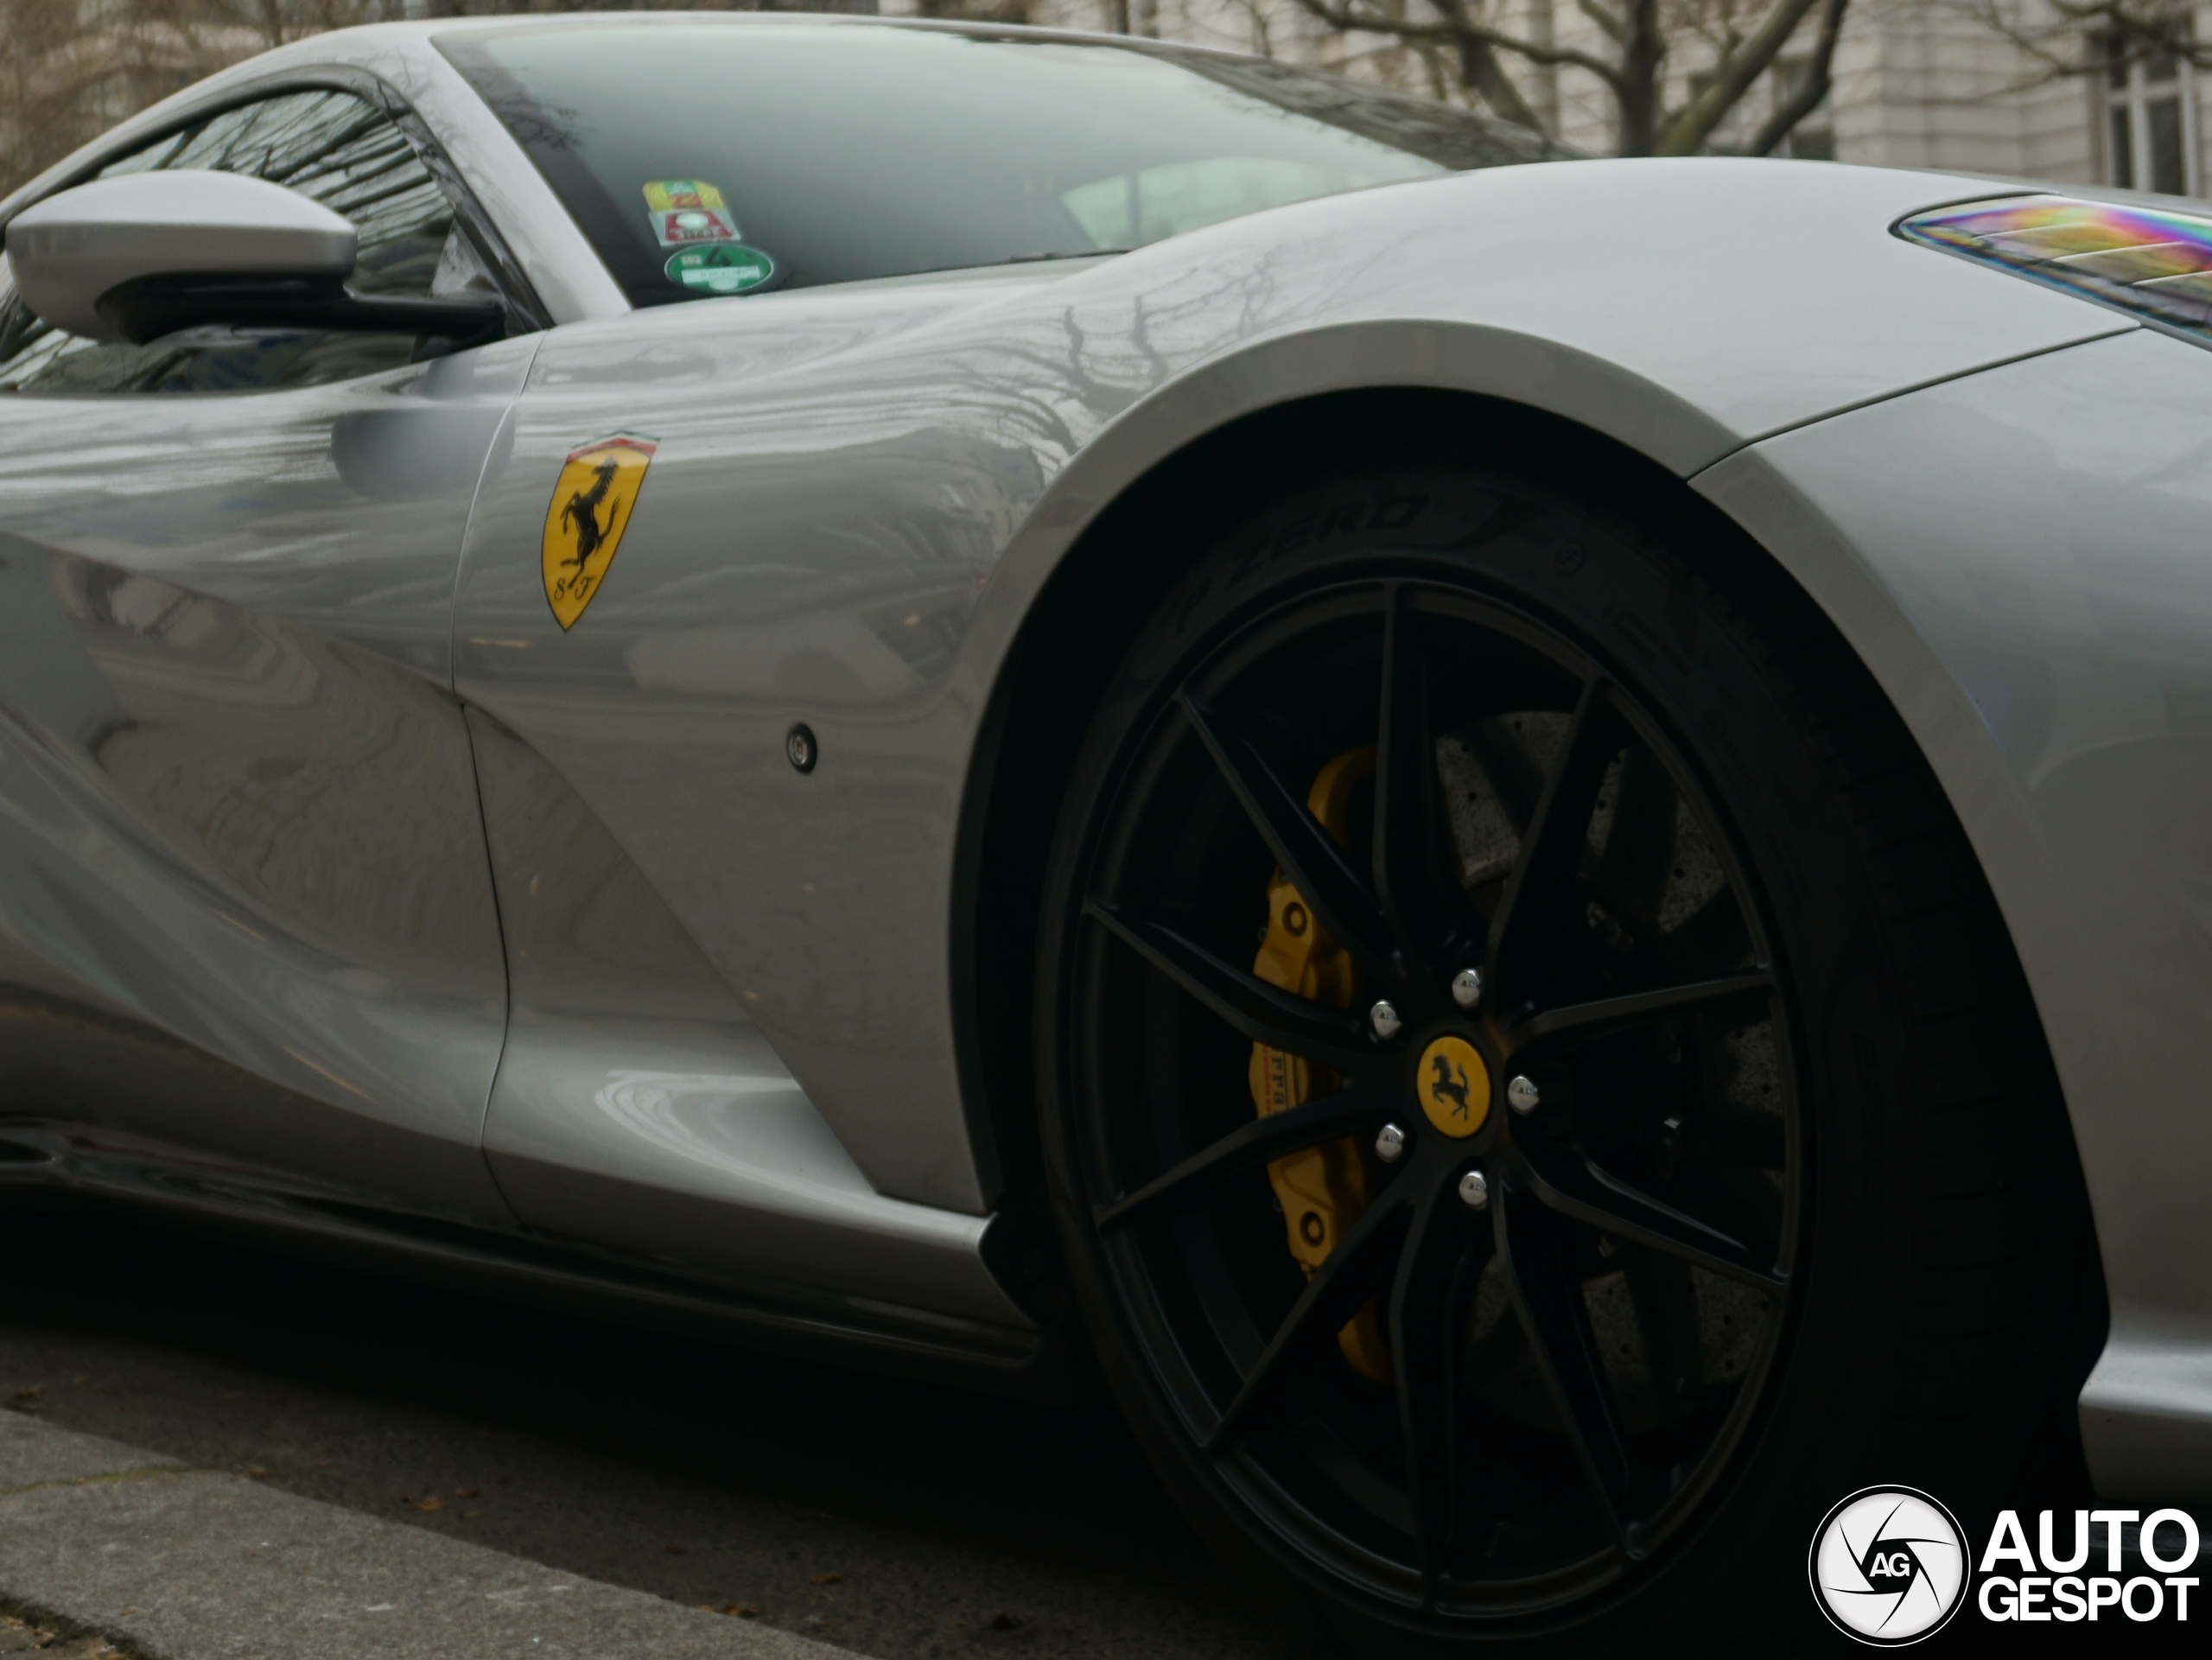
{"points": [[1529, 1071]]}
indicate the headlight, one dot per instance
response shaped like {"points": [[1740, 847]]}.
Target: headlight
{"points": [[2154, 264]]}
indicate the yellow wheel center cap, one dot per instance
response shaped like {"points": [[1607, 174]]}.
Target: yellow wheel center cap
{"points": [[1454, 1086]]}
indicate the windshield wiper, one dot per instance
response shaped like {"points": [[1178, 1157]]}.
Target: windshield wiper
{"points": [[1030, 258]]}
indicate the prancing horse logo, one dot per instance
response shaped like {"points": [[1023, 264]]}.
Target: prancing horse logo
{"points": [[1454, 1083], [591, 507], [581, 513], [1449, 1084]]}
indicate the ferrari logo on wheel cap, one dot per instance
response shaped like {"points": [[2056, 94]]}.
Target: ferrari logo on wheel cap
{"points": [[1454, 1086], [591, 505]]}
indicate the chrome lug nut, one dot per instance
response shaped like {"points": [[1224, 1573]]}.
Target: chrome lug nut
{"points": [[1521, 1094], [1474, 1191], [1390, 1144], [1467, 988], [1385, 1019]]}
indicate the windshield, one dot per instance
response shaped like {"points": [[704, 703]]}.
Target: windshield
{"points": [[719, 158]]}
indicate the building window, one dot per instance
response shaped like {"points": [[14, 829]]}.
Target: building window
{"points": [[2150, 118], [1813, 139]]}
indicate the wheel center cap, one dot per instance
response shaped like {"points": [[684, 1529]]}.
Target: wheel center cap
{"points": [[1454, 1086]]}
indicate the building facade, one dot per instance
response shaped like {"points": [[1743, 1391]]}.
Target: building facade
{"points": [[2005, 86], [1931, 85]]}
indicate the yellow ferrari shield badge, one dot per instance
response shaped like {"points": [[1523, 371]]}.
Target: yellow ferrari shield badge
{"points": [[591, 505]]}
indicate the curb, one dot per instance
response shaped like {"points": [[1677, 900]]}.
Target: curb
{"points": [[177, 1563]]}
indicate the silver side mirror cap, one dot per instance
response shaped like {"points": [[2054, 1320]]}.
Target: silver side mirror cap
{"points": [[71, 251], [145, 254]]}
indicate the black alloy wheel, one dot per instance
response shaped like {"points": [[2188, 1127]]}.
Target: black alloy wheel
{"points": [[1562, 1072], [1625, 985]]}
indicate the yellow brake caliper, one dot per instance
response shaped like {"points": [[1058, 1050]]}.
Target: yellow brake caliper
{"points": [[1322, 1189]]}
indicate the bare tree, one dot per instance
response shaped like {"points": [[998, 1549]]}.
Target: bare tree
{"points": [[2085, 37], [1732, 44], [69, 69]]}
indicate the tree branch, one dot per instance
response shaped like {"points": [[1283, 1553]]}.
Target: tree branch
{"points": [[2147, 27], [1812, 87], [1343, 17], [1609, 21], [1480, 70], [1686, 133]]}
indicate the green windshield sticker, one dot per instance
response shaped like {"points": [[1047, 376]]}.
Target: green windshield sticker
{"points": [[725, 268]]}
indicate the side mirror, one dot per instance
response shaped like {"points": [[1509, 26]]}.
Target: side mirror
{"points": [[144, 255]]}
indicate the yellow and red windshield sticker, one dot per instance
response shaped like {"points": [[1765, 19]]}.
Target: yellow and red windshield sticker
{"points": [[668, 195], [688, 212], [591, 507]]}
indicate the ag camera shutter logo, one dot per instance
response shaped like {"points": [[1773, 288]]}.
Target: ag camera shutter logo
{"points": [[1888, 1566]]}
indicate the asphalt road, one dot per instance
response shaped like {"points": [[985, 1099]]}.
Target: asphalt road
{"points": [[898, 1520]]}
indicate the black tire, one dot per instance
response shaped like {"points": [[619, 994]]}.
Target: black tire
{"points": [[1510, 1483]]}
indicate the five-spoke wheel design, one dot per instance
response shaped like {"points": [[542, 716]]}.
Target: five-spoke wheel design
{"points": [[1556, 1071]]}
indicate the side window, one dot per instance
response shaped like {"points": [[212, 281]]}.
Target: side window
{"points": [[331, 145]]}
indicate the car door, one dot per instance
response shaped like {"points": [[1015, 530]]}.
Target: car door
{"points": [[244, 907]]}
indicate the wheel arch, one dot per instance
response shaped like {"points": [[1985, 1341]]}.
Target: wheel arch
{"points": [[1111, 535], [1101, 547]]}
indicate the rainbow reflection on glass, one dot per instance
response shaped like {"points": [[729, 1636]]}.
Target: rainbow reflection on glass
{"points": [[2143, 260]]}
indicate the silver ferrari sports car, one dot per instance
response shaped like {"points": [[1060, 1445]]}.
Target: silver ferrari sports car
{"points": [[1521, 844]]}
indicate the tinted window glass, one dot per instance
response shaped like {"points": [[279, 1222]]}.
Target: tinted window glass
{"points": [[705, 158], [330, 145]]}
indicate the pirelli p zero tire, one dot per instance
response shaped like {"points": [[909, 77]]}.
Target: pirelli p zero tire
{"points": [[1538, 1101]]}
